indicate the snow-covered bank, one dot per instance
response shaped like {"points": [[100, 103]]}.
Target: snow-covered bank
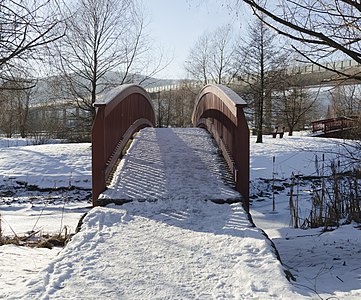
{"points": [[43, 218], [46, 166], [19, 264], [63, 171], [296, 154], [25, 169], [325, 264]]}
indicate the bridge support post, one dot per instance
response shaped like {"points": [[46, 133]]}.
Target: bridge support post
{"points": [[241, 143], [98, 154]]}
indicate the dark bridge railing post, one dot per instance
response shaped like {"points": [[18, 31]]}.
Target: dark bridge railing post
{"points": [[241, 155], [122, 112], [98, 153], [220, 111]]}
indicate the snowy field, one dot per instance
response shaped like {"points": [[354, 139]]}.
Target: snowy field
{"points": [[43, 182], [44, 166], [326, 265], [44, 189]]}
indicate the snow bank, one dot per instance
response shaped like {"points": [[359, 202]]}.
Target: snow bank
{"points": [[19, 264], [326, 265], [295, 154], [43, 218], [47, 166]]}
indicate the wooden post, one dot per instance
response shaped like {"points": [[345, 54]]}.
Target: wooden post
{"points": [[98, 154], [242, 154]]}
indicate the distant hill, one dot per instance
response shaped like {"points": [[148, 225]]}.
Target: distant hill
{"points": [[54, 88]]}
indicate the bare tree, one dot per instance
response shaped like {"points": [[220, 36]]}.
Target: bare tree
{"points": [[211, 58], [162, 104], [15, 102], [198, 59], [104, 46], [329, 28], [183, 104], [223, 55], [174, 108], [346, 101], [295, 105], [26, 27], [260, 65]]}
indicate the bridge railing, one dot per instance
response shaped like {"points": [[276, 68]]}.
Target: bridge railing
{"points": [[334, 124], [119, 114], [220, 111]]}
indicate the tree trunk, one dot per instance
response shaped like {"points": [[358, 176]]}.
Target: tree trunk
{"points": [[261, 96], [290, 131]]}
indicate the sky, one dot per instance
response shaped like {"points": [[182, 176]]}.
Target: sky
{"points": [[176, 25]]}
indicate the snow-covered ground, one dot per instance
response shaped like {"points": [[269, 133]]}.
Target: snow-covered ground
{"points": [[43, 183], [325, 265], [45, 166]]}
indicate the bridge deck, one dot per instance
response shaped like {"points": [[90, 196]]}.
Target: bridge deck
{"points": [[171, 164]]}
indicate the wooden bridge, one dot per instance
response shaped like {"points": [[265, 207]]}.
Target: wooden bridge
{"points": [[180, 246], [128, 109], [341, 127]]}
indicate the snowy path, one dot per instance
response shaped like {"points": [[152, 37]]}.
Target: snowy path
{"points": [[158, 250], [178, 247]]}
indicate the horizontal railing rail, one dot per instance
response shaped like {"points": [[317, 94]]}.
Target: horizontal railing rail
{"points": [[333, 124]]}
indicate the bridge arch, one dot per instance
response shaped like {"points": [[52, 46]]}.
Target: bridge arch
{"points": [[220, 110], [119, 114]]}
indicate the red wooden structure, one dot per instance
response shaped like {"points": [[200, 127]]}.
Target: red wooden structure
{"points": [[128, 109], [121, 113], [334, 127], [220, 111]]}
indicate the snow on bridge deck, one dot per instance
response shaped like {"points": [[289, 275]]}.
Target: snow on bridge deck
{"points": [[172, 164], [178, 247]]}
